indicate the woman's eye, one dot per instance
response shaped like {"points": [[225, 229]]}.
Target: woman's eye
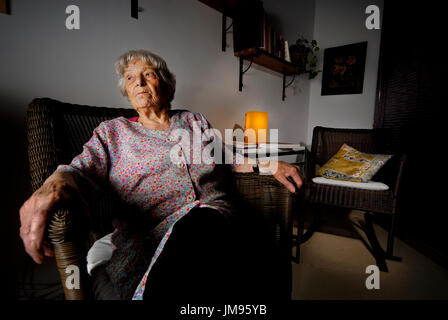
{"points": [[150, 74]]}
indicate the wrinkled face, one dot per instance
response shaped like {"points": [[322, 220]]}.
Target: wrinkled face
{"points": [[142, 85]]}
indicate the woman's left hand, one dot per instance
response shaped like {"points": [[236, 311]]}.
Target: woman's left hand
{"points": [[282, 171]]}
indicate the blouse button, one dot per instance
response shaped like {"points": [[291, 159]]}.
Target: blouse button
{"points": [[180, 165], [190, 198]]}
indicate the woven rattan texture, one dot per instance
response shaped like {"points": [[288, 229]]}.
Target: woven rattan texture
{"points": [[270, 199]]}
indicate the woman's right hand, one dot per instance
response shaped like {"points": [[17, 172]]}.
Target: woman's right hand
{"points": [[33, 213]]}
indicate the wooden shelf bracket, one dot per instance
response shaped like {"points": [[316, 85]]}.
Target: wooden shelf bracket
{"points": [[267, 60], [224, 31], [240, 86], [286, 86], [242, 72], [231, 8]]}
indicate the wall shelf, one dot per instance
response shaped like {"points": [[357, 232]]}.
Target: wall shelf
{"points": [[255, 55], [267, 60]]}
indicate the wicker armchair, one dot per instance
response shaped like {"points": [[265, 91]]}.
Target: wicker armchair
{"points": [[56, 134], [326, 142]]}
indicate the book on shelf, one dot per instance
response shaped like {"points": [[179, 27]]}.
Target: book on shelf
{"points": [[252, 29], [287, 55], [282, 47], [268, 36], [265, 30], [262, 27], [274, 42], [248, 26], [278, 45]]}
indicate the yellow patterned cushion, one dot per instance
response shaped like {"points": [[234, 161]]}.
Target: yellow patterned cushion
{"points": [[349, 164]]}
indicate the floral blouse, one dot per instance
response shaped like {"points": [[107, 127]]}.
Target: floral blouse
{"points": [[162, 173]]}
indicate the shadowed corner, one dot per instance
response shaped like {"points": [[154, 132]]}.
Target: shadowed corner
{"points": [[14, 178], [26, 280]]}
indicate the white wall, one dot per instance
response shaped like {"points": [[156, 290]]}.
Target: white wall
{"points": [[293, 19], [77, 66], [339, 23]]}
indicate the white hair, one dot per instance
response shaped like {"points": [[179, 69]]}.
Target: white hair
{"points": [[166, 78]]}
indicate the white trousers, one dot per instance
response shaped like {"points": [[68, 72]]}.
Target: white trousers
{"points": [[100, 253]]}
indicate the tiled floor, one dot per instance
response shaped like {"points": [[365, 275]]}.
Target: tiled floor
{"points": [[333, 267]]}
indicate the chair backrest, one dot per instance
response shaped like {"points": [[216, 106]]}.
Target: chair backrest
{"points": [[327, 141], [57, 132]]}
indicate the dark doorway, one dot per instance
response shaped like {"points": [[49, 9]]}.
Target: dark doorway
{"points": [[411, 80]]}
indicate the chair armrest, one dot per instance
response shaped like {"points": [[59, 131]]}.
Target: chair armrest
{"points": [[67, 236], [269, 206], [271, 200]]}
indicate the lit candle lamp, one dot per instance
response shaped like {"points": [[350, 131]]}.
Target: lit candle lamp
{"points": [[258, 121]]}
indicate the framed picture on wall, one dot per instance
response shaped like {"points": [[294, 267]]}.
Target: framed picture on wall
{"points": [[343, 71]]}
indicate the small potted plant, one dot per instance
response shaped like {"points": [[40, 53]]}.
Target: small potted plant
{"points": [[303, 55]]}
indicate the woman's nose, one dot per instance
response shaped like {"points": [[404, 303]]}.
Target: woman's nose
{"points": [[141, 81]]}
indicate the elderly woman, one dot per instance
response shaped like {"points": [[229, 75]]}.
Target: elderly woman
{"points": [[133, 158]]}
